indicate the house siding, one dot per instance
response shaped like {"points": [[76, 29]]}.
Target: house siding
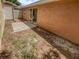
{"points": [[8, 12], [61, 18], [16, 14], [2, 21]]}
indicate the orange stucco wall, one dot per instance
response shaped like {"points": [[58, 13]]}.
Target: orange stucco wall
{"points": [[61, 18]]}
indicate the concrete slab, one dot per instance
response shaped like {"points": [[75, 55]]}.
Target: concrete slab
{"points": [[19, 26]]}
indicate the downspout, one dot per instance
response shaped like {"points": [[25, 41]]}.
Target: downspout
{"points": [[13, 13]]}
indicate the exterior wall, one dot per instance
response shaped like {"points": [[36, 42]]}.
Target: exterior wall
{"points": [[2, 21], [16, 14], [20, 15], [8, 11], [26, 14], [61, 18]]}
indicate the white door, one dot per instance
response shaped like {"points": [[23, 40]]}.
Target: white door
{"points": [[8, 12]]}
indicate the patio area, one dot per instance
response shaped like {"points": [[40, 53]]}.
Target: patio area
{"points": [[41, 30], [27, 43]]}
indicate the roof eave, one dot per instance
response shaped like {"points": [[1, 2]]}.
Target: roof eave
{"points": [[37, 3], [10, 3]]}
